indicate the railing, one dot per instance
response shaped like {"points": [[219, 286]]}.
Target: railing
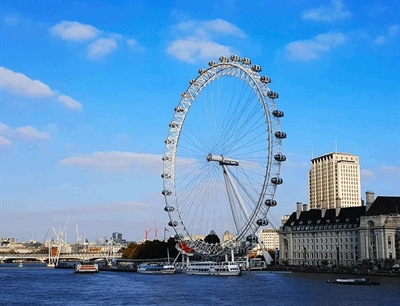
{"points": [[45, 257]]}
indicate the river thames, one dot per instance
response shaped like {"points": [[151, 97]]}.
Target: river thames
{"points": [[33, 285]]}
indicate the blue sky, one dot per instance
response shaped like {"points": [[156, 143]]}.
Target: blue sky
{"points": [[87, 90]]}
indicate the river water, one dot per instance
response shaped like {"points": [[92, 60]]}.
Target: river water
{"points": [[33, 285]]}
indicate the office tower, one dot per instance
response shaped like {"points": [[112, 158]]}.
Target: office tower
{"points": [[334, 181]]}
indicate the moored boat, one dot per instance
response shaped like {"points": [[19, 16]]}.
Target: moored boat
{"points": [[213, 268], [355, 281], [155, 268], [86, 268]]}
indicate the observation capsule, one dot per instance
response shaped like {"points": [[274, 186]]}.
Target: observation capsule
{"points": [[280, 134], [167, 176], [166, 192], [212, 63], [173, 125], [169, 208], [277, 113], [223, 59], [256, 68], [235, 58], [173, 223], [192, 81], [262, 222], [280, 157], [272, 94], [270, 203], [276, 180], [166, 158], [178, 109], [265, 79], [246, 61], [201, 71], [169, 141], [178, 237], [185, 95], [252, 238]]}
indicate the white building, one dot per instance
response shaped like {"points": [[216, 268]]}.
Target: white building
{"points": [[269, 238], [343, 236], [334, 177]]}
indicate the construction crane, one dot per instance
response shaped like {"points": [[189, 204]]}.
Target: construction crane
{"points": [[146, 233]]}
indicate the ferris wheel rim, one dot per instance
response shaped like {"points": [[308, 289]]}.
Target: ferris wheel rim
{"points": [[206, 76]]}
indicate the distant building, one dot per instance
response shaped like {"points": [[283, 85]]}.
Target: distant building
{"points": [[117, 237], [334, 179], [227, 236], [343, 236], [269, 238]]}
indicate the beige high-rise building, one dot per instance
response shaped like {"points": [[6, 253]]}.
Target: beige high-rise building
{"points": [[269, 238], [334, 181]]}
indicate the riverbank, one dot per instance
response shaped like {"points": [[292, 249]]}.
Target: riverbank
{"points": [[341, 270]]}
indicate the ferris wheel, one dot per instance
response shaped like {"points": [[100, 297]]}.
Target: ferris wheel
{"points": [[222, 159]]}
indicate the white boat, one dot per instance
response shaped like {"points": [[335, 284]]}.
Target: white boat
{"points": [[155, 268], [355, 281], [213, 268], [86, 268]]}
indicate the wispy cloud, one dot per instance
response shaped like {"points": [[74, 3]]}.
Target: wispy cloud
{"points": [[116, 161], [328, 12], [99, 44], [307, 50], [392, 32], [21, 85], [11, 20], [4, 142], [101, 48], [198, 40], [75, 31], [384, 177], [24, 133]]}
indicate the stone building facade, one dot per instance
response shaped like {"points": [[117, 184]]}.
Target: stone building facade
{"points": [[343, 236]]}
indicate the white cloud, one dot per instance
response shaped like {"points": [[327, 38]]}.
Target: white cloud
{"points": [[69, 102], [191, 49], [198, 40], [24, 133], [131, 42], [328, 13], [366, 174], [383, 179], [21, 85], [4, 142], [223, 27], [380, 40], [11, 20], [101, 43], [4, 129], [101, 48], [75, 31], [116, 161], [306, 50], [30, 133], [392, 32]]}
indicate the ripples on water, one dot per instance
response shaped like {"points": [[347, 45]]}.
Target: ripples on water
{"points": [[46, 286]]}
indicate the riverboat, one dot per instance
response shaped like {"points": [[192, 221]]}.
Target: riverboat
{"points": [[86, 268], [355, 281], [213, 268], [154, 268]]}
